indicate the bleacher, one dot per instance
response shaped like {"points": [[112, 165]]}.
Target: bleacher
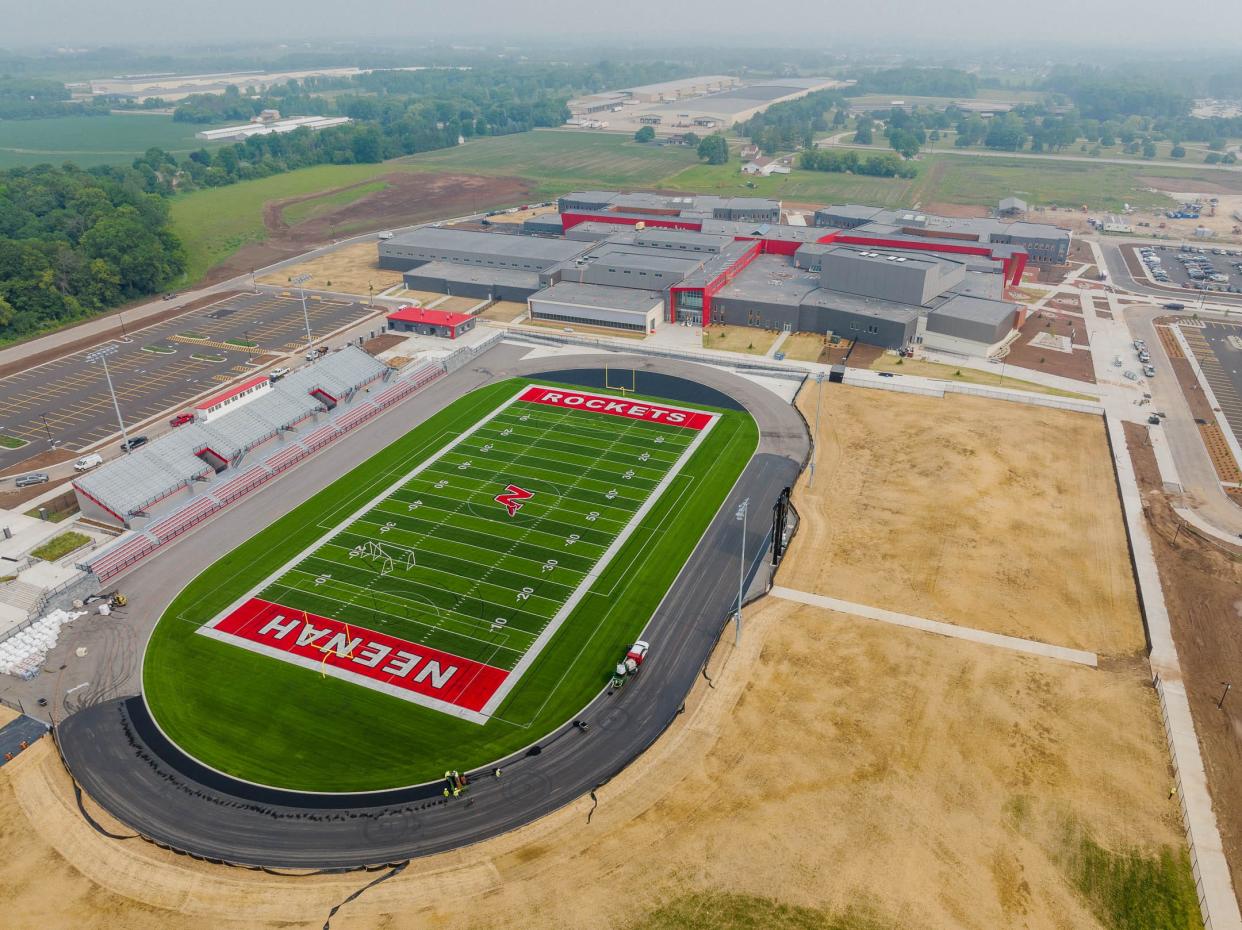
{"points": [[132, 484]]}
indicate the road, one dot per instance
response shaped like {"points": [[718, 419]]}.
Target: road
{"points": [[172, 801], [1196, 473], [829, 142]]}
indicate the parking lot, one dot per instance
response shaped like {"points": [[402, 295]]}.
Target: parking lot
{"points": [[65, 404], [1218, 348], [1199, 268]]}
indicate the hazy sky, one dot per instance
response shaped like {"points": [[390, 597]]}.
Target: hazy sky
{"points": [[795, 22]]}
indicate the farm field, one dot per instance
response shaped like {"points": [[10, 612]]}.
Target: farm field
{"points": [[557, 161], [514, 620], [93, 140]]}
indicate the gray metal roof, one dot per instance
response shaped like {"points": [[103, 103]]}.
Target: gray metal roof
{"points": [[486, 243], [476, 274], [133, 482], [975, 309], [599, 295]]}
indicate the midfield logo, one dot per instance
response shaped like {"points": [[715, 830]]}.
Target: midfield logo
{"points": [[513, 497]]}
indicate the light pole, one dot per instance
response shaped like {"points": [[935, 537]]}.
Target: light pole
{"points": [[101, 355], [299, 281], [741, 570], [819, 397]]}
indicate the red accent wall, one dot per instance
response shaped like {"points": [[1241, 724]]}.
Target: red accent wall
{"points": [[570, 220]]}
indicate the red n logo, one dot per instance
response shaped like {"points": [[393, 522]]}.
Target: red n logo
{"points": [[513, 497]]}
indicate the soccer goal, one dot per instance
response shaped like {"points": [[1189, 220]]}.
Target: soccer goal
{"points": [[388, 556]]}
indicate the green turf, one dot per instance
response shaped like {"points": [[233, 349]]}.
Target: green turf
{"points": [[12, 442], [316, 207], [93, 140], [271, 722]]}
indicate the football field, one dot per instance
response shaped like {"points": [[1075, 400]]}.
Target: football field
{"points": [[443, 588]]}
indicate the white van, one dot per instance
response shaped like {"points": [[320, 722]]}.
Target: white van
{"points": [[87, 462]]}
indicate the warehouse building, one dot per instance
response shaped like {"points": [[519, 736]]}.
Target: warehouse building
{"points": [[622, 308], [1044, 244], [633, 261], [469, 247]]}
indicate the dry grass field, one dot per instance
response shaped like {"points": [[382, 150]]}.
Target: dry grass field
{"points": [[738, 339], [982, 513], [348, 270], [803, 347], [504, 311], [864, 776]]}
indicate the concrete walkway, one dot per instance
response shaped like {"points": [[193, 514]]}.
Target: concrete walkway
{"points": [[1211, 870], [1012, 643]]}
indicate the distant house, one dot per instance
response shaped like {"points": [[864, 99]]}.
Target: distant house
{"points": [[1011, 206], [749, 152], [764, 167], [651, 120]]}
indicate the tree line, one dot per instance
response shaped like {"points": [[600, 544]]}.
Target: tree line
{"points": [[74, 243], [854, 162]]}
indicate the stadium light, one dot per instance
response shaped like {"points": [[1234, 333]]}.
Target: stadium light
{"points": [[741, 571], [101, 355], [299, 281]]}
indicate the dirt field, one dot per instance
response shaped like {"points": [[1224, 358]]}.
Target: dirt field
{"points": [[982, 513], [504, 311], [1202, 581], [1076, 364], [921, 783], [1009, 376], [739, 339], [420, 298], [410, 197], [349, 270]]}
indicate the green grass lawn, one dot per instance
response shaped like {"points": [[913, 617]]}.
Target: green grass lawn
{"points": [[267, 721], [12, 442], [60, 545], [561, 160], [984, 181], [317, 206], [93, 140], [216, 222], [799, 186]]}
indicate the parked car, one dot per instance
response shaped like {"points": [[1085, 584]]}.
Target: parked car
{"points": [[1130, 376], [181, 419], [26, 481], [1153, 420], [277, 373], [385, 236], [1149, 371], [1174, 306], [129, 445], [87, 462]]}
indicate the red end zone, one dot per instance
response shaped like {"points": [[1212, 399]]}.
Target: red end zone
{"points": [[366, 656], [634, 410]]}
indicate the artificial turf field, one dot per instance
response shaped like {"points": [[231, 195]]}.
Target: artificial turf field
{"points": [[401, 622]]}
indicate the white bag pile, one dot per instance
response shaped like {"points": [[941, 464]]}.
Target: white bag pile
{"points": [[23, 653]]}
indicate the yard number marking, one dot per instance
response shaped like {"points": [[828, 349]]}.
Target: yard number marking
{"points": [[592, 516], [611, 494], [525, 593], [644, 457], [571, 539], [463, 466], [548, 565], [628, 475], [414, 505]]}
